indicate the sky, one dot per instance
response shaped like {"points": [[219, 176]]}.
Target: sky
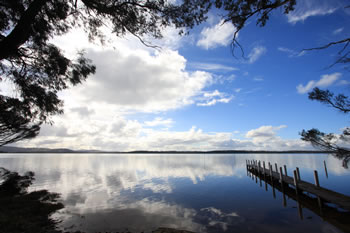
{"points": [[194, 94]]}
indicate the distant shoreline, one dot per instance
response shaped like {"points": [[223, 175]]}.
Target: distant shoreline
{"points": [[8, 149]]}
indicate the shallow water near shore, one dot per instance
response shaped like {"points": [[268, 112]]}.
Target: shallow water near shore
{"points": [[195, 192]]}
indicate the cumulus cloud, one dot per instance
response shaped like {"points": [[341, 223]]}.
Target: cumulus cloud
{"points": [[306, 9], [266, 131], [325, 81], [256, 53], [220, 34], [117, 133], [141, 81]]}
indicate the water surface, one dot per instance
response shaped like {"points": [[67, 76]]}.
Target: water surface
{"points": [[198, 192]]}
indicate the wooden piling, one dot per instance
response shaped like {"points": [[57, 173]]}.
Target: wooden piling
{"points": [[298, 173], [264, 167], [271, 172], [285, 170], [325, 168], [281, 176], [276, 167], [317, 182], [295, 181]]}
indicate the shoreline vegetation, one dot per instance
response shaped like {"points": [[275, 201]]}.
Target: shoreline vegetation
{"points": [[9, 149]]}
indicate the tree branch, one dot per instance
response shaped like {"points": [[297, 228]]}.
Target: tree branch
{"points": [[21, 32]]}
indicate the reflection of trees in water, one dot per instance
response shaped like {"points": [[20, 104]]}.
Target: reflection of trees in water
{"points": [[23, 211]]}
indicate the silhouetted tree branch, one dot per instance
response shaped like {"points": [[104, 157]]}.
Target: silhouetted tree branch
{"points": [[330, 142]]}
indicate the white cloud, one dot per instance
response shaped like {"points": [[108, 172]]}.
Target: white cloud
{"points": [[171, 39], [212, 98], [325, 81], [212, 67], [256, 53], [159, 121], [220, 34], [337, 31], [117, 133], [306, 9], [139, 81], [266, 131], [291, 52]]}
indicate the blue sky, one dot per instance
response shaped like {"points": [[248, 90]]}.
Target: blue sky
{"points": [[192, 94]]}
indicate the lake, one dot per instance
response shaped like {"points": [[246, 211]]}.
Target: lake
{"points": [[194, 192]]}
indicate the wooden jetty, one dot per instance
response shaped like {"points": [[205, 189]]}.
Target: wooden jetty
{"points": [[323, 195], [334, 216]]}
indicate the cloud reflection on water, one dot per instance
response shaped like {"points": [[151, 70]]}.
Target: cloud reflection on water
{"points": [[108, 192]]}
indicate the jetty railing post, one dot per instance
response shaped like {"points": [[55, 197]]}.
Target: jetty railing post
{"points": [[285, 170], [281, 176], [271, 173], [300, 210], [317, 183], [264, 171], [325, 168], [276, 167], [295, 181], [282, 187], [298, 173]]}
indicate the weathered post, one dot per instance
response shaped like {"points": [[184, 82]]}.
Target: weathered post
{"points": [[298, 173], [285, 170], [317, 182], [295, 181], [264, 170], [271, 173], [281, 176], [276, 167], [325, 168]]}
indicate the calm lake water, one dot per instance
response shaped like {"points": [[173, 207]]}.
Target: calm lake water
{"points": [[200, 193]]}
